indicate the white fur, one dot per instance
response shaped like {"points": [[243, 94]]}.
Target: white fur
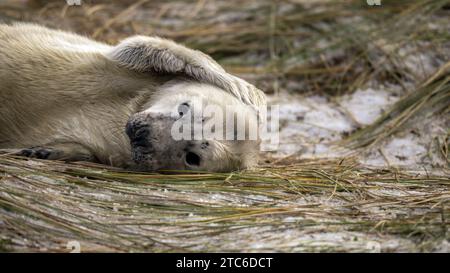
{"points": [[59, 89]]}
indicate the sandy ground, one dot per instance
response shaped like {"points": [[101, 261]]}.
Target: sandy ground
{"points": [[312, 126]]}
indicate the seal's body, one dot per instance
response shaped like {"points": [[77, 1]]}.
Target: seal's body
{"points": [[66, 97]]}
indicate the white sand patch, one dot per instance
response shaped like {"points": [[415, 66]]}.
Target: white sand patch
{"points": [[326, 116], [308, 125], [404, 151], [311, 126], [365, 106]]}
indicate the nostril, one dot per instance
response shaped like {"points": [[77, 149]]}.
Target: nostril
{"points": [[141, 133], [129, 129], [140, 137], [137, 133]]}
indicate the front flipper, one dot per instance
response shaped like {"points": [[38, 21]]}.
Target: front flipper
{"points": [[40, 153], [157, 55], [64, 152]]}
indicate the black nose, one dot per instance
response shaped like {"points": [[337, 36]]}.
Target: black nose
{"points": [[138, 133]]}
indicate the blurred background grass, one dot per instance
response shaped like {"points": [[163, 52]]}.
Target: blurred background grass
{"points": [[320, 46]]}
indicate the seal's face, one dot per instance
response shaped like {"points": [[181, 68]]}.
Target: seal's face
{"points": [[185, 128]]}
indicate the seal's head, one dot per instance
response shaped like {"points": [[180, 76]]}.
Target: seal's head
{"points": [[194, 126]]}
